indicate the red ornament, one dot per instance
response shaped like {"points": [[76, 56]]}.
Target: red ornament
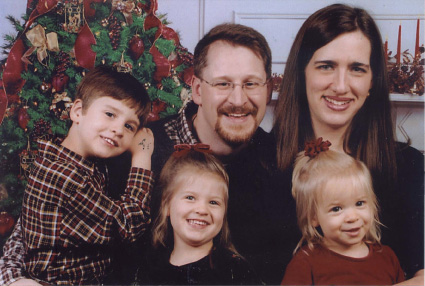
{"points": [[6, 223], [59, 82], [23, 117], [157, 107], [136, 47]]}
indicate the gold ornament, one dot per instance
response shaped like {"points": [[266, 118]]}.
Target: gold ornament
{"points": [[27, 158], [123, 66], [126, 8], [104, 23], [74, 15], [61, 105]]}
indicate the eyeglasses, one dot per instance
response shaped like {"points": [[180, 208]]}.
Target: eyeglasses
{"points": [[226, 87]]}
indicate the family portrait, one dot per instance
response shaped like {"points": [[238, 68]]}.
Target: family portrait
{"points": [[212, 142]]}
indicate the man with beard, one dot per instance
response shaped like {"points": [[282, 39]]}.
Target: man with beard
{"points": [[230, 90]]}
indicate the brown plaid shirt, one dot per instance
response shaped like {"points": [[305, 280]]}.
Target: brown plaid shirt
{"points": [[68, 221], [178, 129], [12, 263]]}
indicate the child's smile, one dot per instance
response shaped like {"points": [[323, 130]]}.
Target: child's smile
{"points": [[105, 128], [344, 215], [197, 209]]}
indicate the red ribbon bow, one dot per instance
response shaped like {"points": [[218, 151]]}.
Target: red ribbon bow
{"points": [[314, 147], [183, 149]]}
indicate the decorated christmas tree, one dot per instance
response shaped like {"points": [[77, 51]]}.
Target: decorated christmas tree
{"points": [[59, 42]]}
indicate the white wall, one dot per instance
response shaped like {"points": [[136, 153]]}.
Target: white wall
{"points": [[279, 21]]}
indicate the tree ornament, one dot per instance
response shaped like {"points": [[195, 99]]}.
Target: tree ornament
{"points": [[42, 130], [114, 31], [185, 56], [136, 47], [74, 15], [60, 79], [138, 11], [26, 159], [61, 105], [59, 82], [6, 223], [157, 107], [23, 117], [123, 66], [45, 87], [126, 7], [104, 22]]}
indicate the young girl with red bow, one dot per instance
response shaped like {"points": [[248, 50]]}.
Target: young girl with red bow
{"points": [[338, 217], [190, 235]]}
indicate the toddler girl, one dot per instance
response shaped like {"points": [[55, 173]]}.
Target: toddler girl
{"points": [[338, 217], [191, 237]]}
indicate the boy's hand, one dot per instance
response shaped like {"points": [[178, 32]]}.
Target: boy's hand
{"points": [[142, 149]]}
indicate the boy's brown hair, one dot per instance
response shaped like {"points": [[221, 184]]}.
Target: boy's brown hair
{"points": [[107, 81]]}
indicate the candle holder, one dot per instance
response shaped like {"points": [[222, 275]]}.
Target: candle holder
{"points": [[408, 76]]}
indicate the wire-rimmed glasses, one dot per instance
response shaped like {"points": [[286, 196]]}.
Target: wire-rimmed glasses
{"points": [[226, 87]]}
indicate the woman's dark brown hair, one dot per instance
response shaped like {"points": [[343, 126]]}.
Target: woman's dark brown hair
{"points": [[370, 138]]}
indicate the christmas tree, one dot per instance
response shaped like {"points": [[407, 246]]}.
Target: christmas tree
{"points": [[59, 42]]}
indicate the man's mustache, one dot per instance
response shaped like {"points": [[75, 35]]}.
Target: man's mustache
{"points": [[230, 109]]}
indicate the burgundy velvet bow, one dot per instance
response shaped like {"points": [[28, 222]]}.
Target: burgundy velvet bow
{"points": [[183, 149], [314, 147]]}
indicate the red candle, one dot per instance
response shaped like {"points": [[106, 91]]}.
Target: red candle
{"points": [[417, 39], [398, 46]]}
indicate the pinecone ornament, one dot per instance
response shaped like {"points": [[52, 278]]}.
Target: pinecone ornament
{"points": [[114, 31]]}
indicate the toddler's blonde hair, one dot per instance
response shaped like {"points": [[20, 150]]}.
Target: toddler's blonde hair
{"points": [[310, 177]]}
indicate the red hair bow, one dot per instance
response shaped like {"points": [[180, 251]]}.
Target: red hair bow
{"points": [[183, 149], [314, 147]]}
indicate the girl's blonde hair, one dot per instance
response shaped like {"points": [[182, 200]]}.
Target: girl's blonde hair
{"points": [[311, 175], [170, 179]]}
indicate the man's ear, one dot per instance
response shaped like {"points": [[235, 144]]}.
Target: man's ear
{"points": [[269, 91], [196, 90], [76, 111]]}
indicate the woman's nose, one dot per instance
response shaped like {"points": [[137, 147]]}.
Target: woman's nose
{"points": [[340, 82]]}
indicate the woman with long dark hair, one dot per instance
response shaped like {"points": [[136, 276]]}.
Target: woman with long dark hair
{"points": [[335, 86]]}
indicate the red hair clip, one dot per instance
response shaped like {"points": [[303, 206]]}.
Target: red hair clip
{"points": [[183, 149], [314, 147]]}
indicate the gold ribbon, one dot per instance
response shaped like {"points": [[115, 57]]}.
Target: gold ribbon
{"points": [[40, 43], [126, 7]]}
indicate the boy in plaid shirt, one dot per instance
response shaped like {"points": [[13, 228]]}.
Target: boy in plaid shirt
{"points": [[68, 220]]}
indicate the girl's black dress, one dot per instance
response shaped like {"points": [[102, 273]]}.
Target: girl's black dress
{"points": [[221, 267]]}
